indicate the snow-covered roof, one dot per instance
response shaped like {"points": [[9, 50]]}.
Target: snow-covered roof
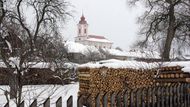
{"points": [[73, 47], [96, 38]]}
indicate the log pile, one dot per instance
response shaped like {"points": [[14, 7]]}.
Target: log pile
{"points": [[97, 80], [172, 74]]}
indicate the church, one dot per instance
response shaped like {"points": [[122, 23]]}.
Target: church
{"points": [[90, 40]]}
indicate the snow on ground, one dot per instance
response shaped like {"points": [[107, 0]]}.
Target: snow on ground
{"points": [[42, 92]]}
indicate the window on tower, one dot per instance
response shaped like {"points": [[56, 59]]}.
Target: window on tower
{"points": [[79, 31], [84, 30]]}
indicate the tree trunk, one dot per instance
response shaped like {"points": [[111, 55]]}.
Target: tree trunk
{"points": [[170, 34]]}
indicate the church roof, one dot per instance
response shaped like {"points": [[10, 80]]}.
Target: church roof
{"points": [[96, 38], [82, 20]]}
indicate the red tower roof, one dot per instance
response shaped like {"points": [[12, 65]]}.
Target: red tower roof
{"points": [[82, 20]]}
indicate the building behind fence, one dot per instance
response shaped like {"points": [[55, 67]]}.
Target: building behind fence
{"points": [[175, 95]]}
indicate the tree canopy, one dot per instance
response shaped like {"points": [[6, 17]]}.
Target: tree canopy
{"points": [[165, 23]]}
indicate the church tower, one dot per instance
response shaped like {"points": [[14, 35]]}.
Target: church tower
{"points": [[82, 27], [82, 30]]}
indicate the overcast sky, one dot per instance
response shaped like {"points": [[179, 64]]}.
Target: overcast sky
{"points": [[113, 19]]}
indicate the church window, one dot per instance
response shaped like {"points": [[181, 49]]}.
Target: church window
{"points": [[79, 30], [84, 30]]}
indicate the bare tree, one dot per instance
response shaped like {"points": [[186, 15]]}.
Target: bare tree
{"points": [[165, 21], [29, 39]]}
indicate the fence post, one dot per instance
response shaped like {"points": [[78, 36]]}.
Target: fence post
{"points": [[34, 104], [83, 100], [105, 100], [162, 96], [167, 97], [188, 95], [70, 102], [118, 99], [112, 98], [171, 96], [59, 102], [80, 101], [125, 98], [138, 94], [47, 102], [185, 95], [158, 96], [22, 104], [97, 100], [149, 92], [6, 105], [153, 97], [175, 96], [131, 99], [178, 95], [143, 97]]}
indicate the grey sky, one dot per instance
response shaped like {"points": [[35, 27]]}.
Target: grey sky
{"points": [[113, 19]]}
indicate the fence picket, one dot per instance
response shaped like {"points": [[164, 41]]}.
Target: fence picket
{"points": [[153, 97], [185, 96], [97, 100], [181, 96], [70, 102], [112, 98], [80, 101], [118, 99], [89, 101], [59, 102], [162, 97], [6, 105], [177, 95], [34, 103], [105, 100], [125, 98], [167, 96], [47, 103], [138, 98], [171, 97], [148, 96], [131, 99], [158, 96], [143, 97], [188, 96], [22, 104]]}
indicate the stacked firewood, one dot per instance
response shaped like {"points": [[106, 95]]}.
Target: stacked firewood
{"points": [[172, 74], [96, 80]]}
